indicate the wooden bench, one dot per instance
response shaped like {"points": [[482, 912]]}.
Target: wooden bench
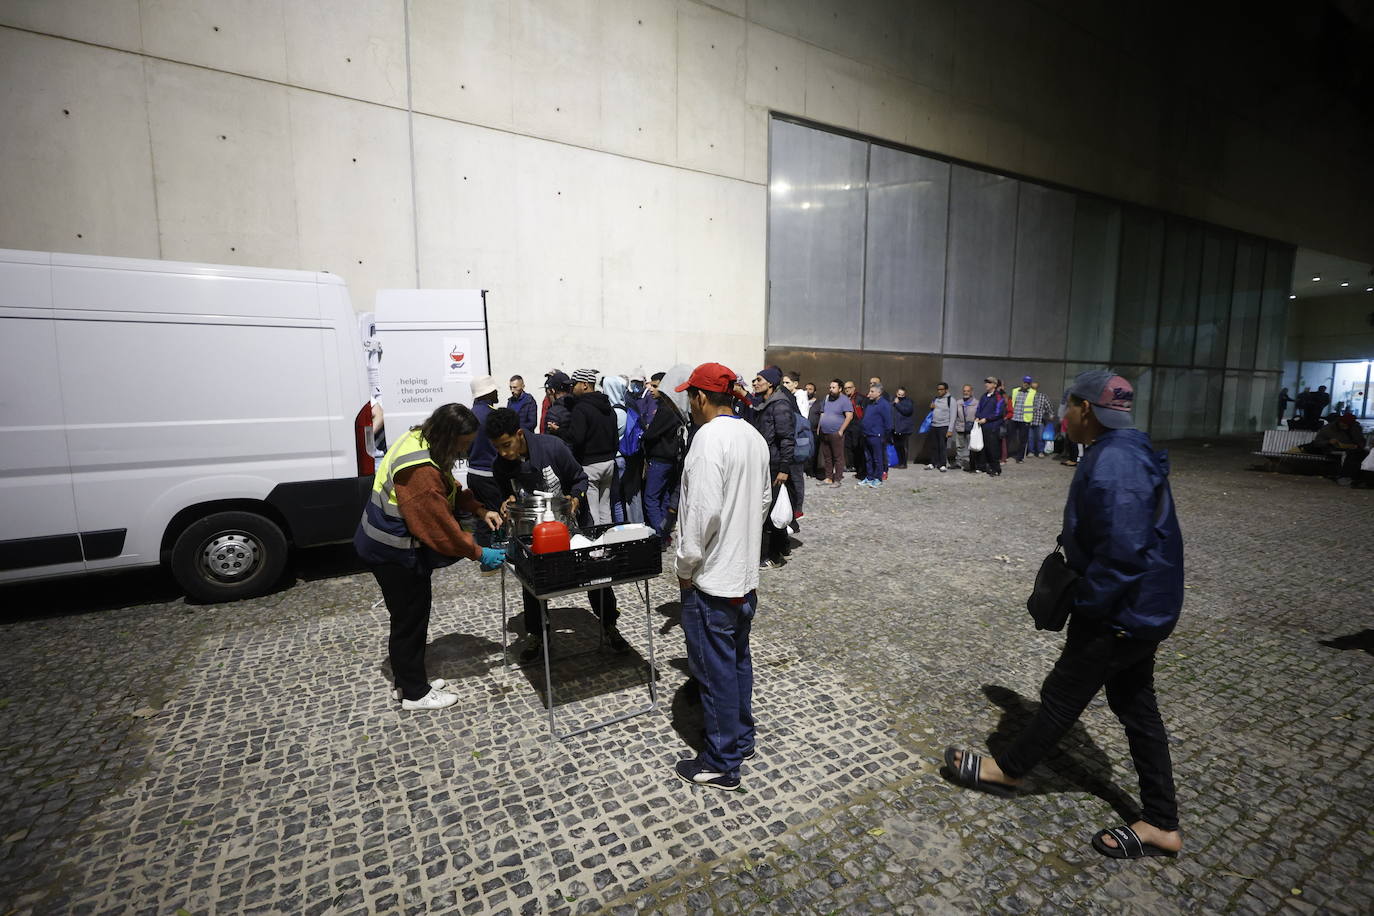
{"points": [[1277, 445]]}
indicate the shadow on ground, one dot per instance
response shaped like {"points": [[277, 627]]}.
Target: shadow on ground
{"points": [[1076, 765], [1362, 640]]}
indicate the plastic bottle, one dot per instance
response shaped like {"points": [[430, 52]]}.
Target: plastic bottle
{"points": [[550, 536]]}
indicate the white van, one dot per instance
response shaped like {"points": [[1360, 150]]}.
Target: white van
{"points": [[189, 414]]}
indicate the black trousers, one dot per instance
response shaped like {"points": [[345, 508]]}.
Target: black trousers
{"points": [[1093, 658], [1016, 439], [407, 595], [899, 441], [990, 458], [775, 540], [937, 439], [602, 601]]}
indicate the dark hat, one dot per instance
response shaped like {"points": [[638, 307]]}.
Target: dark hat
{"points": [[772, 375], [1111, 395], [558, 381]]}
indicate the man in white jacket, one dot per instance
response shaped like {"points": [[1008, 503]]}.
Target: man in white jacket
{"points": [[726, 495]]}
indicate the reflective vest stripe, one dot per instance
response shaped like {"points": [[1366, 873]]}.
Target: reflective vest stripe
{"points": [[387, 538], [1028, 405]]}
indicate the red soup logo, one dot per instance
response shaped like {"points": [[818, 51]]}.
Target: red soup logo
{"points": [[456, 357]]}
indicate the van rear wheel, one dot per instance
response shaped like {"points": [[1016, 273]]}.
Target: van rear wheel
{"points": [[229, 555]]}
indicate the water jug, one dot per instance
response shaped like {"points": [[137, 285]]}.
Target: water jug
{"points": [[550, 536]]}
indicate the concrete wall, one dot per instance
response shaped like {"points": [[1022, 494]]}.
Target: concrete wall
{"points": [[601, 165], [1331, 327]]}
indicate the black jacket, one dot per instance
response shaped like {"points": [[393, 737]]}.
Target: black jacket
{"points": [[591, 430], [661, 438], [775, 419]]}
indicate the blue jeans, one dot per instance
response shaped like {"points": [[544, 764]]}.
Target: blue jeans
{"points": [[1036, 445], [717, 634], [660, 494], [876, 457]]}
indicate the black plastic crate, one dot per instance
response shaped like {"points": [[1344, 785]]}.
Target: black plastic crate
{"points": [[586, 567]]}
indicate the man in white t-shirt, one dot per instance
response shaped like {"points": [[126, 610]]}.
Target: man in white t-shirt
{"points": [[726, 494]]}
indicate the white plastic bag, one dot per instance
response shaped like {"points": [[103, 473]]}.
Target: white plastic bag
{"points": [[975, 439], [781, 515], [1368, 463]]}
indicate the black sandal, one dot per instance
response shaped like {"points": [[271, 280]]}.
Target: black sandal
{"points": [[965, 773], [1128, 845]]}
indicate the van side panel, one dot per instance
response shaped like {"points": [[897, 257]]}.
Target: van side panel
{"points": [[206, 407], [38, 526]]}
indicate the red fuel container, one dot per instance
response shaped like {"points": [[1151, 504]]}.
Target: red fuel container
{"points": [[550, 537]]}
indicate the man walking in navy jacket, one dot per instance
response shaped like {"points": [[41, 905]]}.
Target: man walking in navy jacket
{"points": [[1121, 536]]}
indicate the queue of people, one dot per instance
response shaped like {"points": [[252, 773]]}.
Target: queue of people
{"points": [[871, 434]]}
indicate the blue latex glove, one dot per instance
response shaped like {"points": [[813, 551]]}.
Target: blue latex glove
{"points": [[492, 558]]}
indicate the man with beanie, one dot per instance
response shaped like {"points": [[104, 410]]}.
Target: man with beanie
{"points": [[591, 434], [727, 492], [774, 417], [1122, 537], [482, 455]]}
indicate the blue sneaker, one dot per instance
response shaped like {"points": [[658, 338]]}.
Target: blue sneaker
{"points": [[695, 772]]}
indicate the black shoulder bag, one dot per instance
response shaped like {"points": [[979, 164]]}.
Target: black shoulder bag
{"points": [[1052, 598]]}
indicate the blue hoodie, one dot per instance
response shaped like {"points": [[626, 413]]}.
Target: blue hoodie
{"points": [[1121, 534]]}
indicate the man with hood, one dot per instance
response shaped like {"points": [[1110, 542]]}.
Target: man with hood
{"points": [[774, 419], [591, 434], [1122, 537]]}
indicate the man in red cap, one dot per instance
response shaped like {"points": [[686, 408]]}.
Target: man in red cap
{"points": [[726, 495]]}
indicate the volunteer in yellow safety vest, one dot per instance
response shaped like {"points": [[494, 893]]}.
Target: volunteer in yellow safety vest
{"points": [[409, 529], [1022, 414]]}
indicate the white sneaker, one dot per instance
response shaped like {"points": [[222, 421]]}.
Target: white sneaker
{"points": [[435, 699], [438, 684]]}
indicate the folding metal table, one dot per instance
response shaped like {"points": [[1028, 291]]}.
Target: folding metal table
{"points": [[640, 583]]}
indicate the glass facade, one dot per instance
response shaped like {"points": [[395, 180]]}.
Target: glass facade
{"points": [[879, 256]]}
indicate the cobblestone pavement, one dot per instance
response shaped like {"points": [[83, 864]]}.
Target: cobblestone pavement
{"points": [[165, 757]]}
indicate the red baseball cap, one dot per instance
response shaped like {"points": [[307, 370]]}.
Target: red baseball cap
{"points": [[711, 377]]}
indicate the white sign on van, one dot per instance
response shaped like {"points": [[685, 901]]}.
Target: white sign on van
{"points": [[433, 344]]}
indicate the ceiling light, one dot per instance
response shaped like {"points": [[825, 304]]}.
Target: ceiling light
{"points": [[1345, 283], [1292, 295], [1316, 279], [806, 205], [1369, 289], [780, 187]]}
